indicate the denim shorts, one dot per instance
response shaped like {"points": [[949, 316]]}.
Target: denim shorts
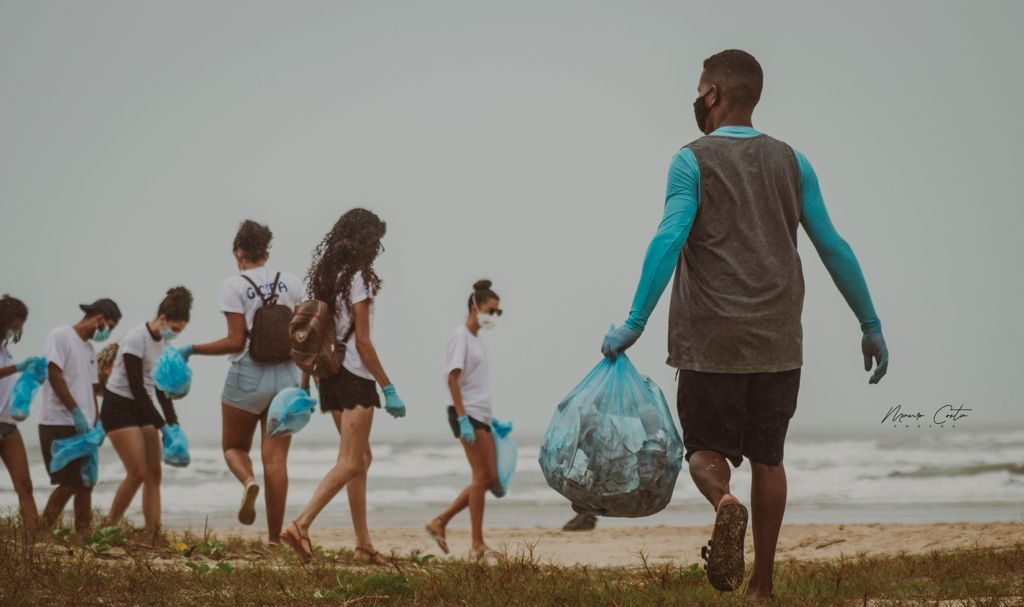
{"points": [[7, 430], [250, 386]]}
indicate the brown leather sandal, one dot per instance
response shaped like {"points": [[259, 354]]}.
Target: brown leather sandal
{"points": [[298, 542], [372, 557]]}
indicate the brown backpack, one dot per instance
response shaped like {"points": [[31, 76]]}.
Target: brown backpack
{"points": [[269, 340], [315, 348], [105, 362]]}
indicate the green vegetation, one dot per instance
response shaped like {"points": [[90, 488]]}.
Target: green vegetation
{"points": [[126, 566]]}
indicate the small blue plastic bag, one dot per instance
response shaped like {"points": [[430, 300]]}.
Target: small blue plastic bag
{"points": [[507, 454], [87, 445], [171, 374], [289, 412], [175, 446], [26, 387], [612, 448]]}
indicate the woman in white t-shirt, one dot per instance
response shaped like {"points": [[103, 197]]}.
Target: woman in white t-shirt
{"points": [[129, 415], [251, 385], [467, 390], [13, 314], [342, 275]]}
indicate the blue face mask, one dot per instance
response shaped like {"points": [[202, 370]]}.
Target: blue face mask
{"points": [[101, 334], [167, 334]]}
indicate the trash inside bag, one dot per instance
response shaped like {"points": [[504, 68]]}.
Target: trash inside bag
{"points": [[612, 448], [25, 388], [175, 446], [507, 454], [289, 412], [171, 374], [87, 445]]}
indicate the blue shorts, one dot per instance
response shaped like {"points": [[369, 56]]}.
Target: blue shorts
{"points": [[250, 386]]}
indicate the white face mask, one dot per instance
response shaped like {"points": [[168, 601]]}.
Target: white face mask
{"points": [[487, 321], [9, 337]]}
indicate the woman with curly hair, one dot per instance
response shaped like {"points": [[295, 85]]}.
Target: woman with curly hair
{"points": [[13, 314], [251, 384], [342, 276], [128, 414]]}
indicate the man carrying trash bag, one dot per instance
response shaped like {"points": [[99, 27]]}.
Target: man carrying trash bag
{"points": [[733, 203]]}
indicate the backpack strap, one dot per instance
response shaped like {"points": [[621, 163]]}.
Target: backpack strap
{"points": [[273, 289], [263, 299]]}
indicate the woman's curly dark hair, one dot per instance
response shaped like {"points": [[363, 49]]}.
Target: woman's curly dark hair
{"points": [[253, 240], [176, 305], [351, 246], [11, 309]]}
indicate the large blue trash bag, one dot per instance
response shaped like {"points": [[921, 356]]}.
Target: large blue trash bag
{"points": [[171, 373], [289, 412], [87, 445], [507, 453], [25, 388], [612, 448], [175, 446]]}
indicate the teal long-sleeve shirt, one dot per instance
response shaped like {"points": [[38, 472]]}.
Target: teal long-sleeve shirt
{"points": [[682, 198]]}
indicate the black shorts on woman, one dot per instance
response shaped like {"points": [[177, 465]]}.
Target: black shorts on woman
{"points": [[346, 390]]}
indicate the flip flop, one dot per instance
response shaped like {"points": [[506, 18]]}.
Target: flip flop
{"points": [[298, 542], [247, 509], [441, 542], [489, 553], [724, 552], [373, 557]]}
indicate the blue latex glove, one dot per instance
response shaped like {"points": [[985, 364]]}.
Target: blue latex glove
{"points": [[32, 360], [618, 340], [873, 347], [392, 403], [81, 424], [185, 351], [466, 431], [502, 429]]}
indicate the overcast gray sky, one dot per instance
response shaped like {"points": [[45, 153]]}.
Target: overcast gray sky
{"points": [[526, 142]]}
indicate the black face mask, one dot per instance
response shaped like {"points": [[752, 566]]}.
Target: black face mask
{"points": [[701, 111]]}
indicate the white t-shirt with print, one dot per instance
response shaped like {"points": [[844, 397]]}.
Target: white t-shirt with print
{"points": [[238, 296], [6, 386], [77, 360], [138, 342], [468, 353], [359, 292]]}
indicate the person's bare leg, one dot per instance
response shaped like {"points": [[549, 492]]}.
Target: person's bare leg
{"points": [[356, 489], [130, 447], [768, 505], [352, 458], [274, 452], [154, 476], [83, 510], [460, 503], [56, 503], [710, 472], [12, 452], [237, 430], [482, 462]]}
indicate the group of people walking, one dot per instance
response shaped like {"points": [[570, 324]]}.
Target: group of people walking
{"points": [[116, 388]]}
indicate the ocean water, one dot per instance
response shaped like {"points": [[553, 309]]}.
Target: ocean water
{"points": [[898, 477]]}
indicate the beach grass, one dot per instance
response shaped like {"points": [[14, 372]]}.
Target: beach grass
{"points": [[127, 566]]}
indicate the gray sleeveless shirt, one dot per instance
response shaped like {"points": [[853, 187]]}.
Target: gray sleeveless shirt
{"points": [[738, 290]]}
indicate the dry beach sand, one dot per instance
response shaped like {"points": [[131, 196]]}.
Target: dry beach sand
{"points": [[621, 546]]}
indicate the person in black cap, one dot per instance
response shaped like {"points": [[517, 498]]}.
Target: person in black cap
{"points": [[69, 403]]}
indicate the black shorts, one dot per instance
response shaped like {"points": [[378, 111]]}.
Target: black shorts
{"points": [[453, 421], [70, 475], [346, 390], [120, 412], [737, 414]]}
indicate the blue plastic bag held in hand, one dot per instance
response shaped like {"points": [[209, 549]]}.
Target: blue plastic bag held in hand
{"points": [[171, 373], [612, 448], [87, 445], [507, 454], [289, 412], [25, 388], [175, 446]]}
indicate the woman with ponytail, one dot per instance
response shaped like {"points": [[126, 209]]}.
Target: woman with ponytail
{"points": [[467, 390], [129, 415], [342, 276]]}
